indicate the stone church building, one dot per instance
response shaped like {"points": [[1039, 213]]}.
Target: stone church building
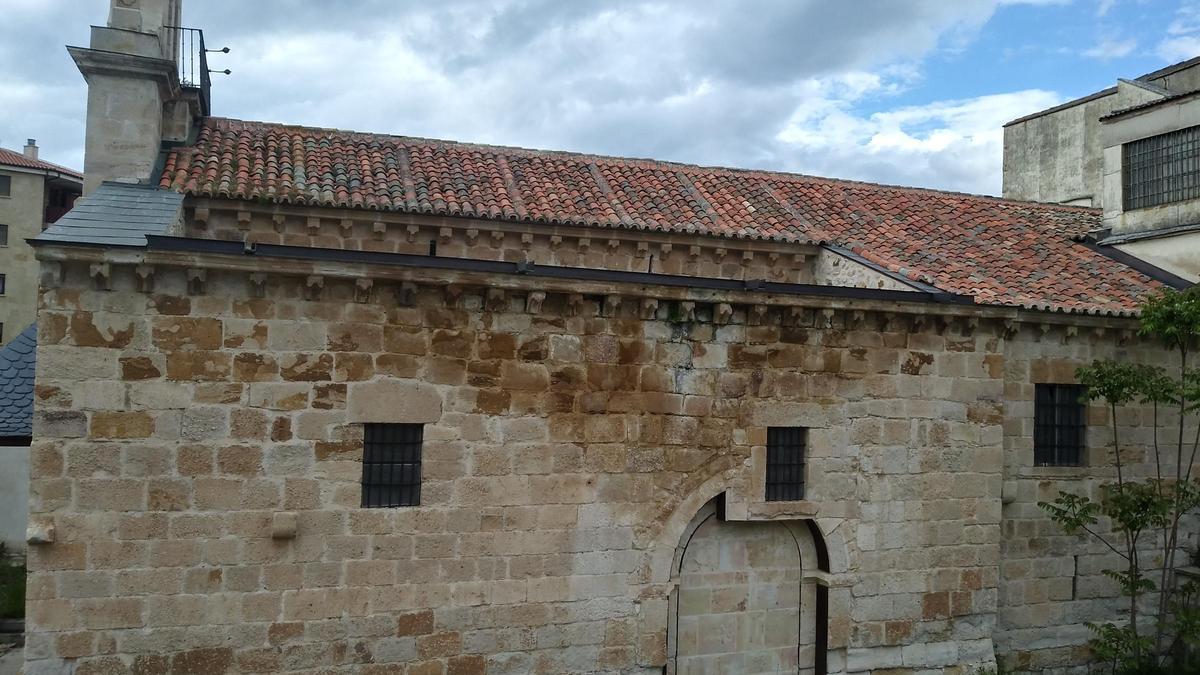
{"points": [[317, 401]]}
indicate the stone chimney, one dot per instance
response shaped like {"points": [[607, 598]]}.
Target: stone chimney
{"points": [[135, 101], [31, 149]]}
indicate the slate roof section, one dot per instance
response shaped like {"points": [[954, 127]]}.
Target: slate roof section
{"points": [[117, 214], [12, 158], [1002, 252], [17, 364]]}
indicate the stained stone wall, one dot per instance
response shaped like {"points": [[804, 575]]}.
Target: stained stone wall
{"points": [[1051, 583], [199, 442]]}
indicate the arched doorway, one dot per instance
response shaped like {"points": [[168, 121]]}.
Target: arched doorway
{"points": [[743, 603]]}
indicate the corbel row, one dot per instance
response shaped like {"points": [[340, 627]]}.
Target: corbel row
{"points": [[583, 242], [643, 305]]}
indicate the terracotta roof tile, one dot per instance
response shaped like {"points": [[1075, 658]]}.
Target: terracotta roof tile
{"points": [[13, 158], [1000, 251]]}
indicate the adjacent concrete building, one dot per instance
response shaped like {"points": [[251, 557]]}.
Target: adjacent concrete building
{"points": [[1133, 151], [318, 401], [33, 194]]}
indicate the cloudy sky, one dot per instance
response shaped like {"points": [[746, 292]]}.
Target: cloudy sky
{"points": [[899, 91]]}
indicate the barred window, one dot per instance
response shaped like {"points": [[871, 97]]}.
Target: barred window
{"points": [[1058, 425], [1161, 169], [391, 465], [785, 463]]}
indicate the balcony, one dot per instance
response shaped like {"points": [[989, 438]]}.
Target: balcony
{"points": [[192, 58]]}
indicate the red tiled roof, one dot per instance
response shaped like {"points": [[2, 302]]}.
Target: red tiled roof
{"points": [[13, 158], [1000, 251]]}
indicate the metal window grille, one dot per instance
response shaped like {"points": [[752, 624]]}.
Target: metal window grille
{"points": [[1161, 169], [785, 463], [1058, 425], [391, 465]]}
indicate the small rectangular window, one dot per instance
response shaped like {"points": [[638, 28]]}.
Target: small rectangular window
{"points": [[785, 463], [391, 465], [2, 284], [1058, 423], [5, 186], [3, 235]]}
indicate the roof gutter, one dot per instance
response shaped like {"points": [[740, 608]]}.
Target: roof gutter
{"points": [[529, 269]]}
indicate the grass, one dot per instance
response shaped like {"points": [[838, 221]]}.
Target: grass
{"points": [[12, 587]]}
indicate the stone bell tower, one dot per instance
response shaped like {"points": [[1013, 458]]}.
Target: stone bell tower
{"points": [[135, 98]]}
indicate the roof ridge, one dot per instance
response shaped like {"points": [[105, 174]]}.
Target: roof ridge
{"points": [[29, 163], [641, 162]]}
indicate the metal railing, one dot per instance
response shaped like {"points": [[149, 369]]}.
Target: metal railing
{"points": [[191, 57]]}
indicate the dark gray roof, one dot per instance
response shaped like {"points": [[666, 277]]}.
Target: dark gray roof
{"points": [[1156, 75], [117, 214], [17, 361]]}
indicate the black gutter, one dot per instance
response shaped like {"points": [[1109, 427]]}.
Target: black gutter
{"points": [[1152, 271], [237, 248]]}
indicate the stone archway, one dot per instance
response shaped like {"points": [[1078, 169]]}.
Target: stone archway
{"points": [[742, 603]]}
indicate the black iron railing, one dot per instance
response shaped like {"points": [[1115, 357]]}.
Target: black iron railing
{"points": [[191, 56]]}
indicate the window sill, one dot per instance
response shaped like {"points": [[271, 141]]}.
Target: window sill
{"points": [[1062, 472]]}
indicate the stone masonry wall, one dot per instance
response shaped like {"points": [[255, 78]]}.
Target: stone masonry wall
{"points": [[179, 427], [1050, 582]]}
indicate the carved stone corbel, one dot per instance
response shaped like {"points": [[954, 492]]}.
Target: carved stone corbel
{"points": [[347, 226], [145, 278], [445, 235], [258, 284], [472, 236], [453, 294], [314, 284], [649, 309], [200, 216], [747, 257], [555, 241], [526, 241], [757, 315], [687, 311], [412, 232], [243, 220], [379, 229], [497, 238], [722, 313], [280, 221], [583, 244], [314, 226], [362, 290], [496, 300], [612, 304], [533, 302], [406, 294], [665, 249], [101, 274], [52, 274], [827, 316], [197, 280], [643, 248], [574, 304], [693, 252]]}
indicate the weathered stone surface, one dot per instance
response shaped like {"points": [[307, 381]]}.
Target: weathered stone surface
{"points": [[391, 400]]}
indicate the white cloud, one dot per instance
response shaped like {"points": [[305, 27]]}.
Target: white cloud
{"points": [[952, 144], [1111, 48], [1179, 48], [641, 77]]}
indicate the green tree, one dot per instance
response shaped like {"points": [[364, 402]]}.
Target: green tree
{"points": [[1147, 514]]}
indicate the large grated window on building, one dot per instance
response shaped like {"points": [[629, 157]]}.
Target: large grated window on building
{"points": [[1161, 169]]}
